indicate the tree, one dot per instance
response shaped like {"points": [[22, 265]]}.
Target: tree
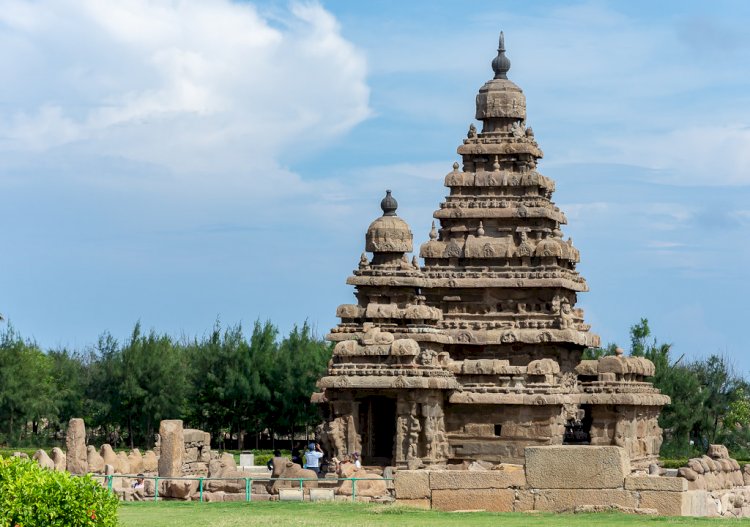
{"points": [[302, 360], [27, 390]]}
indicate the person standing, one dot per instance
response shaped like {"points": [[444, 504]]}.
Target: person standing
{"points": [[312, 457]]}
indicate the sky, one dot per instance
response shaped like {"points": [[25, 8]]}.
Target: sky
{"points": [[183, 162]]}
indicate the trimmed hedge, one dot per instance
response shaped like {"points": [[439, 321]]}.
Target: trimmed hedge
{"points": [[31, 496]]}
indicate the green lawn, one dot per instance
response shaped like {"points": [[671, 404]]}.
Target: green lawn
{"points": [[176, 514]]}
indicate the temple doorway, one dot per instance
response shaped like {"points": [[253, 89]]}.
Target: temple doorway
{"points": [[378, 416]]}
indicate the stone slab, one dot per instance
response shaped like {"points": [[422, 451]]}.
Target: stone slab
{"points": [[494, 500], [75, 443], [418, 504], [666, 503], [576, 467], [488, 479], [247, 460], [696, 503], [412, 484], [172, 448], [321, 494], [656, 483], [290, 495], [559, 500]]}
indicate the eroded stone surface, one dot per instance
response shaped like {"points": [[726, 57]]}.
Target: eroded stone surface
{"points": [[576, 467], [494, 500]]}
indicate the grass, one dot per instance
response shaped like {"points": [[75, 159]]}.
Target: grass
{"points": [[181, 514]]}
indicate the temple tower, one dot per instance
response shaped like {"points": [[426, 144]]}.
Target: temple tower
{"points": [[495, 351]]}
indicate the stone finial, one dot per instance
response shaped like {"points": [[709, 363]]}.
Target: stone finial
{"points": [[496, 164], [619, 352], [480, 230], [433, 232], [389, 204], [501, 63], [455, 166]]}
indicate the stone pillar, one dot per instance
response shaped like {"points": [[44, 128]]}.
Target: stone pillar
{"points": [[75, 443], [172, 448]]}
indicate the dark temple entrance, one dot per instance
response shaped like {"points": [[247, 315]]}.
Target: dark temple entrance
{"points": [[378, 427]]}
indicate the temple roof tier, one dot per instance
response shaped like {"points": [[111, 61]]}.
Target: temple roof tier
{"points": [[490, 147], [374, 381], [455, 279], [636, 399], [500, 178], [462, 211], [484, 337], [343, 333]]}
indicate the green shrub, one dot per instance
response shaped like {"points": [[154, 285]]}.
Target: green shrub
{"points": [[31, 496]]}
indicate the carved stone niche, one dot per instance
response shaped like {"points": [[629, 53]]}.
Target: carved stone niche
{"points": [[339, 434]]}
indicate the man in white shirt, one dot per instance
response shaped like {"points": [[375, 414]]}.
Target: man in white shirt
{"points": [[312, 457]]}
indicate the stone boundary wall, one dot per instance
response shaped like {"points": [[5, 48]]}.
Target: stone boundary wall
{"points": [[567, 478]]}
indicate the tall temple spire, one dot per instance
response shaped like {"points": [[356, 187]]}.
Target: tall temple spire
{"points": [[501, 63]]}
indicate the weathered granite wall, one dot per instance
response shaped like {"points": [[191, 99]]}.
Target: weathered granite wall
{"points": [[569, 478]]}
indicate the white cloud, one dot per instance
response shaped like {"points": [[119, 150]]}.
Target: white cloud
{"points": [[196, 87], [706, 155]]}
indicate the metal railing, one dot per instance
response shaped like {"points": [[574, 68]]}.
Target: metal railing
{"points": [[109, 479]]}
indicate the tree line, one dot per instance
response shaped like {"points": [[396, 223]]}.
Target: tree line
{"points": [[710, 400], [232, 384]]}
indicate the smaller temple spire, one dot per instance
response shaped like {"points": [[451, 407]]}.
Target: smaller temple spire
{"points": [[501, 63], [389, 204]]}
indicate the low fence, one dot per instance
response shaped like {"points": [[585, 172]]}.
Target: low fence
{"points": [[248, 482]]}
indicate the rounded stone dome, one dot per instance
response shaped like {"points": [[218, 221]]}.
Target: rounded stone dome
{"points": [[501, 98], [388, 233]]}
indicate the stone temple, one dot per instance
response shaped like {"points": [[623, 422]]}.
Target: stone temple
{"points": [[476, 353]]}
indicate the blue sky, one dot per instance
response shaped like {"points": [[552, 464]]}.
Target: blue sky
{"points": [[175, 162]]}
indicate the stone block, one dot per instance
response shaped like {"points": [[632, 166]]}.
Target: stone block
{"points": [[172, 447], [290, 495], [576, 467], [558, 500], [666, 503], [488, 479], [418, 504], [213, 496], [656, 483], [696, 503], [412, 484], [234, 497], [75, 443], [191, 455], [495, 500], [321, 494], [247, 459], [524, 501]]}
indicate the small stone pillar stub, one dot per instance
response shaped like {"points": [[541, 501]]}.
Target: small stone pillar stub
{"points": [[172, 448], [75, 443]]}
